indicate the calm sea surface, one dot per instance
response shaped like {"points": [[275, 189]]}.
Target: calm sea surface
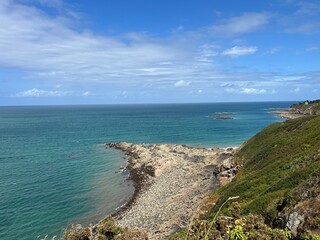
{"points": [[54, 169]]}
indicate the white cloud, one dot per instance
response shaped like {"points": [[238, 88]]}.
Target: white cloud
{"points": [[47, 48], [245, 23], [182, 83], [87, 93], [296, 90], [237, 51], [42, 93], [249, 91], [196, 92], [290, 78], [207, 52], [253, 91]]}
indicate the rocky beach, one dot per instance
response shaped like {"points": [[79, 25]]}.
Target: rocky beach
{"points": [[172, 182], [288, 113]]}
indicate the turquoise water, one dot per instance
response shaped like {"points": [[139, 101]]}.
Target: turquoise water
{"points": [[56, 171]]}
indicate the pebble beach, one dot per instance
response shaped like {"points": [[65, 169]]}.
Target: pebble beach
{"points": [[172, 182]]}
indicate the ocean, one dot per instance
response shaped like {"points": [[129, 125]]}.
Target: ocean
{"points": [[55, 170]]}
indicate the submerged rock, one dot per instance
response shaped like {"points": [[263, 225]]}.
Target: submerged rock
{"points": [[223, 118]]}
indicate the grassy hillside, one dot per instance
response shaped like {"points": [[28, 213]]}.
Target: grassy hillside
{"points": [[280, 176]]}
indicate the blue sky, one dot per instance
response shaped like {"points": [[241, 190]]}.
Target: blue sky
{"points": [[144, 51]]}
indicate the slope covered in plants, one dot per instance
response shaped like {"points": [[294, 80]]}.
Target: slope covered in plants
{"points": [[280, 176]]}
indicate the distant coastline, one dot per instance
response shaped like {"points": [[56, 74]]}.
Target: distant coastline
{"points": [[305, 108]]}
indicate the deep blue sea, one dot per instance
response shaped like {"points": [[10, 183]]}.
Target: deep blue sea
{"points": [[56, 171]]}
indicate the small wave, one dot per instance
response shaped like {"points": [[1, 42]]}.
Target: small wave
{"points": [[224, 113], [272, 109], [234, 147], [121, 206]]}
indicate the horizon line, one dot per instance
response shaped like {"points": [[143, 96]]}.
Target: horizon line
{"points": [[156, 103]]}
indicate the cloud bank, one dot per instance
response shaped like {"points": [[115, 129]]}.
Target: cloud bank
{"points": [[52, 50], [42, 93]]}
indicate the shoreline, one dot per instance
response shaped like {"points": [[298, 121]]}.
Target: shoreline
{"points": [[171, 183], [287, 114], [134, 175]]}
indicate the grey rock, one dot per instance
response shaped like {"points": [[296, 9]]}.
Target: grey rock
{"points": [[293, 221]]}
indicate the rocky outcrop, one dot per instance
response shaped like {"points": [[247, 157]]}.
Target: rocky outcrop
{"points": [[221, 116], [293, 221], [104, 230]]}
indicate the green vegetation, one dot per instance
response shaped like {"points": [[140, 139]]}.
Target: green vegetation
{"points": [[280, 175], [104, 230], [250, 227], [277, 189]]}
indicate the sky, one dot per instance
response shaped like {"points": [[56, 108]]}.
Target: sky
{"points": [[158, 51]]}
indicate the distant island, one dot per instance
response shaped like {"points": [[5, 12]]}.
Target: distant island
{"points": [[268, 188], [222, 116]]}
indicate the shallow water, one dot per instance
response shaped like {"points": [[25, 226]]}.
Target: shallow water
{"points": [[55, 169]]}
